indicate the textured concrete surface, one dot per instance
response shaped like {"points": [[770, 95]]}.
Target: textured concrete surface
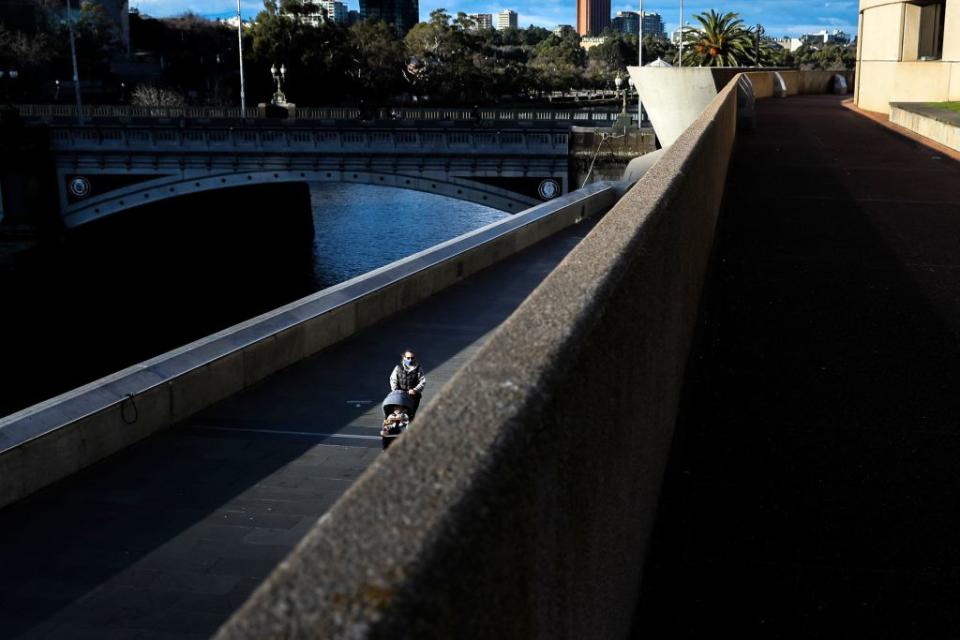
{"points": [[813, 493], [168, 538], [529, 485]]}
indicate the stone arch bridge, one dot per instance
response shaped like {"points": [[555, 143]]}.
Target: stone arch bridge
{"points": [[103, 168]]}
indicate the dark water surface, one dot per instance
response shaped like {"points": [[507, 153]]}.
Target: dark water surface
{"points": [[125, 289]]}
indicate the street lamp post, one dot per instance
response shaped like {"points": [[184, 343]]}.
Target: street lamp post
{"points": [[618, 82], [76, 71], [640, 37], [243, 90], [279, 99], [680, 62], [759, 34], [639, 64]]}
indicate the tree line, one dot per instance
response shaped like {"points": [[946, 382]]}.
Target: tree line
{"points": [[444, 60]]}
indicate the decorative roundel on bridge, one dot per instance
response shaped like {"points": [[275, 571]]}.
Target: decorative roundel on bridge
{"points": [[80, 187], [549, 189]]}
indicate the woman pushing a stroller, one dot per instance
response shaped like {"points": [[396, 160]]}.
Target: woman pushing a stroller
{"points": [[406, 388]]}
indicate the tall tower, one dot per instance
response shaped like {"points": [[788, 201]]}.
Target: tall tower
{"points": [[593, 16]]}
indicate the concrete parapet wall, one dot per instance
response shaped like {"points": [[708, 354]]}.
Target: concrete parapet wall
{"points": [[937, 124], [522, 503], [52, 440]]}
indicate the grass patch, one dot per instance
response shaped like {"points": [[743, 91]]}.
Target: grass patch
{"points": [[949, 106]]}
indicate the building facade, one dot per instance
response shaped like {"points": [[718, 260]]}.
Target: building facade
{"points": [[330, 11], [593, 16], [507, 19], [401, 14], [626, 22], [653, 25], [629, 22], [907, 52], [483, 20], [824, 37]]}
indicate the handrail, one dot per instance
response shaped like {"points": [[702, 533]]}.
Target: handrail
{"points": [[53, 111]]}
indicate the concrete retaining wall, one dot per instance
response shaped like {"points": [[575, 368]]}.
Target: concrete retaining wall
{"points": [[522, 504], [52, 440], [939, 125]]}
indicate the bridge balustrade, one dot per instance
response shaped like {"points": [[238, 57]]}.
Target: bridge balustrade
{"points": [[126, 112]]}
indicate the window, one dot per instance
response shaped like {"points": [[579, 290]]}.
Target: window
{"points": [[925, 24], [930, 35]]}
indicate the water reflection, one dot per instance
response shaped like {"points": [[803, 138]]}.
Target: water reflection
{"points": [[360, 228]]}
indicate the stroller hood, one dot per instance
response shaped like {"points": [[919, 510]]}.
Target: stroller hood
{"points": [[401, 398]]}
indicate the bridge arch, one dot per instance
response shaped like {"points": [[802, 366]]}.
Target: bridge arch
{"points": [[98, 206]]}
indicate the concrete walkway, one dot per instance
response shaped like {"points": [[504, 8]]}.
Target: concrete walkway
{"points": [[815, 481], [167, 539]]}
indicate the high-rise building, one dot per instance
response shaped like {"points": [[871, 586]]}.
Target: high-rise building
{"points": [[330, 11], [336, 11], [483, 20], [402, 14], [626, 22], [593, 16], [653, 24], [506, 19]]}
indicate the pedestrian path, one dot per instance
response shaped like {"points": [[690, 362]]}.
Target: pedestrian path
{"points": [[814, 483], [168, 538]]}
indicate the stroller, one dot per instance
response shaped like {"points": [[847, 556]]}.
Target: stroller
{"points": [[395, 399]]}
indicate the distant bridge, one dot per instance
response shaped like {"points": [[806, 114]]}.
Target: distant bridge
{"points": [[106, 168]]}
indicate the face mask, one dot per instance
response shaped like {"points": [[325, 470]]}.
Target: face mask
{"points": [[408, 362]]}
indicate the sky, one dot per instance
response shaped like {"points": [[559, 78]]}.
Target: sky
{"points": [[779, 17]]}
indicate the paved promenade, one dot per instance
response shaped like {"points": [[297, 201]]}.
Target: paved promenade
{"points": [[167, 539], [814, 488]]}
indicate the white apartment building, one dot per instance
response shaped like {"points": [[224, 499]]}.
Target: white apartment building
{"points": [[507, 19]]}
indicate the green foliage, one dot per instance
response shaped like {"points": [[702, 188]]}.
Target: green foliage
{"points": [[829, 57], [949, 106], [558, 62], [317, 56], [721, 41], [616, 52], [657, 46], [376, 60], [443, 60]]}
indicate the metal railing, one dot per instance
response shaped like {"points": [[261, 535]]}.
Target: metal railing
{"points": [[122, 112]]}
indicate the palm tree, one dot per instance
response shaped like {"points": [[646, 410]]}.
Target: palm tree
{"points": [[722, 41]]}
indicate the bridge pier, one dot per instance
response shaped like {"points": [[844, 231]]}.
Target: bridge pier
{"points": [[28, 188]]}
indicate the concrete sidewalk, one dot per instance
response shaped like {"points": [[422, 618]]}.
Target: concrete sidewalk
{"points": [[814, 480], [168, 538]]}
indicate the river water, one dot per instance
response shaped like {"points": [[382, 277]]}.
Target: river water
{"points": [[377, 225], [119, 293]]}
